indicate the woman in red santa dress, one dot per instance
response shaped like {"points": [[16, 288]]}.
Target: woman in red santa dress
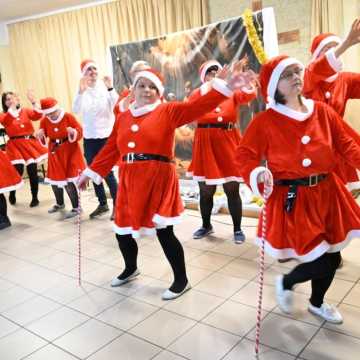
{"points": [[22, 148], [310, 215], [324, 81], [9, 181], [65, 160], [148, 200], [214, 149]]}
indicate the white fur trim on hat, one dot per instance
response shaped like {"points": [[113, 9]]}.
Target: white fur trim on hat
{"points": [[323, 43], [89, 64], [50, 110], [275, 75], [153, 78], [206, 67]]}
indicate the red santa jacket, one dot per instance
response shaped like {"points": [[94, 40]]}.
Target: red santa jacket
{"points": [[18, 123]]}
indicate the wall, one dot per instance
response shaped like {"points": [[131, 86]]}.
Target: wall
{"points": [[289, 15]]}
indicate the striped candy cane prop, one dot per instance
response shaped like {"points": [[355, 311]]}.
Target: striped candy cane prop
{"points": [[268, 186]]}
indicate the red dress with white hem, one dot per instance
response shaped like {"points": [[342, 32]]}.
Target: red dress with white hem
{"points": [[65, 159], [323, 81], [18, 124], [9, 178], [214, 149], [148, 195], [324, 217]]}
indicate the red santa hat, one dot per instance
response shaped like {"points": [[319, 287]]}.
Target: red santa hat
{"points": [[49, 105], [270, 74], [320, 41], [206, 66], [154, 76], [85, 64]]}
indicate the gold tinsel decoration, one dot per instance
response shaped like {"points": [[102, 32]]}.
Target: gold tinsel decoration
{"points": [[253, 36]]}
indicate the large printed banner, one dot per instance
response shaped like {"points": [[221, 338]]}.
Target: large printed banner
{"points": [[178, 57]]}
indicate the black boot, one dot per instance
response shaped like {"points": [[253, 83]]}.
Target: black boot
{"points": [[4, 222], [12, 197]]}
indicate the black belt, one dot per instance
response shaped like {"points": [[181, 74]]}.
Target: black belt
{"points": [[27, 137], [293, 184], [132, 157], [56, 143], [224, 126]]}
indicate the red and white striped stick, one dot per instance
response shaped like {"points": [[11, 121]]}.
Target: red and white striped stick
{"points": [[79, 233], [268, 185]]}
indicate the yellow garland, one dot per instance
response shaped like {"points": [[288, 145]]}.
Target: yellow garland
{"points": [[253, 36]]}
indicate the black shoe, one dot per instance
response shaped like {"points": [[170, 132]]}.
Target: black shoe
{"points": [[202, 232], [12, 198], [34, 202], [101, 209], [4, 222]]}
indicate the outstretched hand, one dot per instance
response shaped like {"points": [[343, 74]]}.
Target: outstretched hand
{"points": [[82, 181], [353, 36]]}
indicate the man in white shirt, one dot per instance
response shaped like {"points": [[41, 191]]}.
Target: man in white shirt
{"points": [[95, 101]]}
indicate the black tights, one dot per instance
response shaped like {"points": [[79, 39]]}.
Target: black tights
{"points": [[321, 272], [33, 178], [172, 248], [234, 202], [71, 191], [3, 207]]}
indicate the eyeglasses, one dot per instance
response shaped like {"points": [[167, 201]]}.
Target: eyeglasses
{"points": [[287, 75]]}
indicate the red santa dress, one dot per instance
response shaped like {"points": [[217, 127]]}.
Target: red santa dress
{"points": [[22, 147], [214, 149], [65, 159], [148, 195], [295, 145], [324, 81], [9, 177]]}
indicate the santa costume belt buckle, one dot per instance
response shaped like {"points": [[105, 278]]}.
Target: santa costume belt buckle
{"points": [[130, 157], [230, 126], [313, 180]]}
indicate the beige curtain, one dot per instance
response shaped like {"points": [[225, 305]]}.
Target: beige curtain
{"points": [[336, 16], [46, 52]]}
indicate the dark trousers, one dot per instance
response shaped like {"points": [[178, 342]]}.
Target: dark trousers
{"points": [[3, 208], [91, 148], [33, 178], [321, 272], [231, 190]]}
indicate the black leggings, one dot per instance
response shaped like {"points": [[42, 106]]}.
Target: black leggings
{"points": [[33, 178], [3, 207], [71, 191], [321, 272], [172, 248], [234, 202]]}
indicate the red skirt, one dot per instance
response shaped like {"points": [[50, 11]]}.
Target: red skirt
{"points": [[213, 158], [324, 218], [148, 198], [25, 151], [65, 163], [9, 177]]}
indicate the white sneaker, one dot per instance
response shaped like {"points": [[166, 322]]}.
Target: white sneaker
{"points": [[285, 298], [169, 295], [328, 312], [118, 282], [71, 214]]}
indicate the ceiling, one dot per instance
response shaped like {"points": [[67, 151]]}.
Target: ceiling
{"points": [[15, 9]]}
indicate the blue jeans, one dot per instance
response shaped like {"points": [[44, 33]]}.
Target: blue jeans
{"points": [[91, 149]]}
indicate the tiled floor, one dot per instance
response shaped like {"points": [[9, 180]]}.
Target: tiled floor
{"points": [[46, 315]]}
